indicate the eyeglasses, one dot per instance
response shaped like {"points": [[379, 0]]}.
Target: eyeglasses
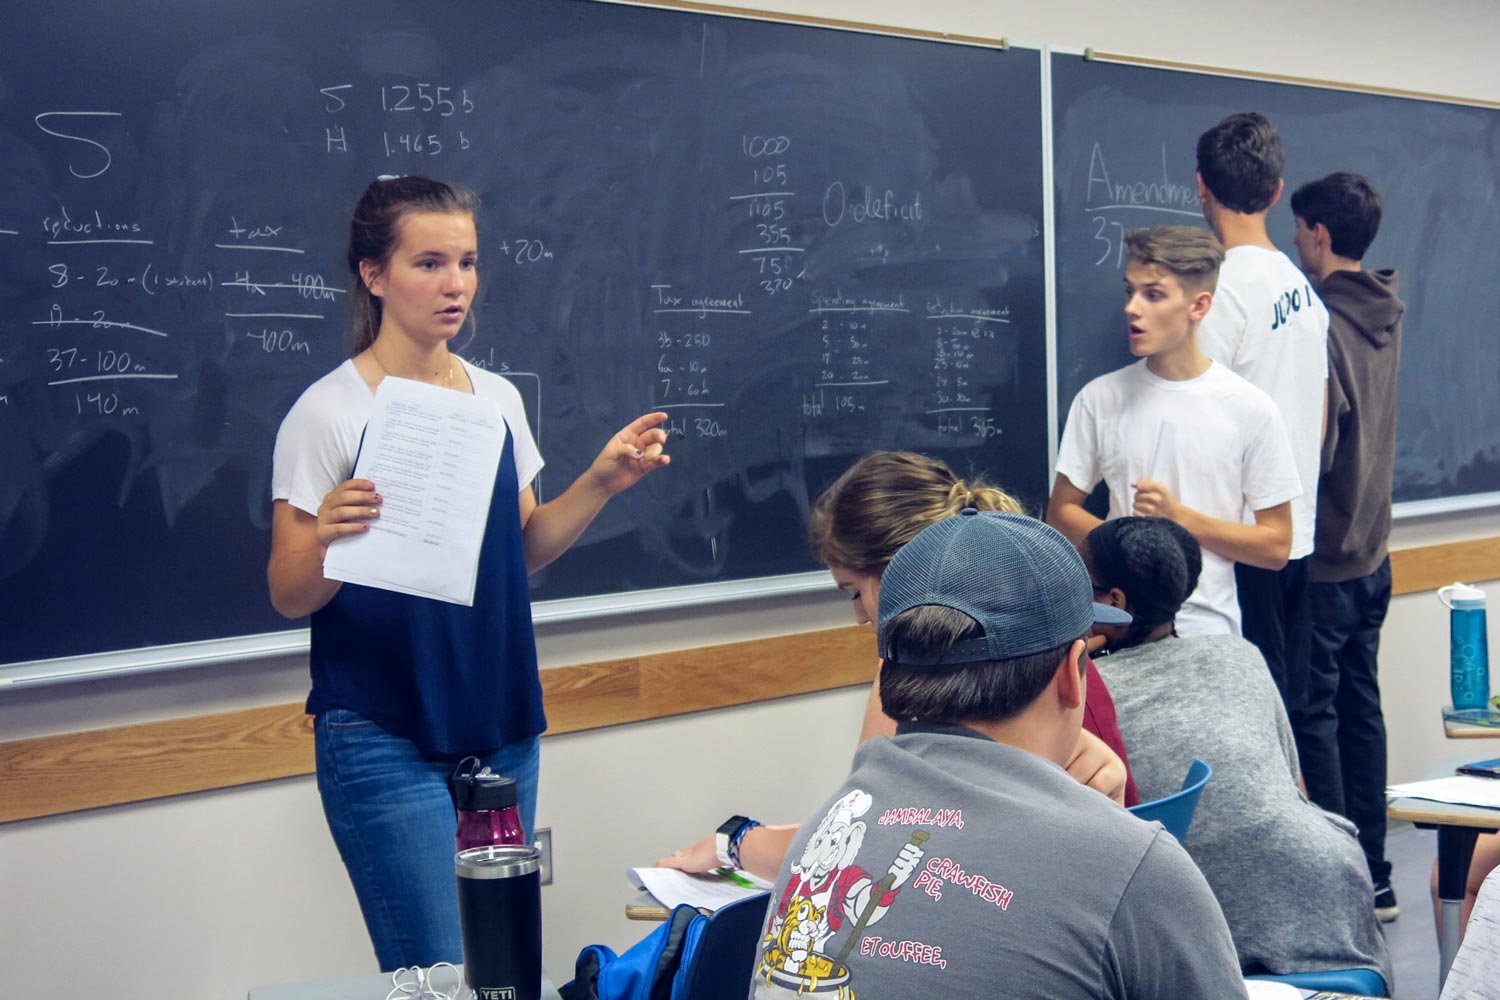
{"points": [[442, 981]]}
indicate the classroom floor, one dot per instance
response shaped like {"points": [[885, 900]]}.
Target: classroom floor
{"points": [[1412, 937]]}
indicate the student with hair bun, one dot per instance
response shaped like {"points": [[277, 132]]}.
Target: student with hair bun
{"points": [[405, 687], [880, 503], [1290, 877]]}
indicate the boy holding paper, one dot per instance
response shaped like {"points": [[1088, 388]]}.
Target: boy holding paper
{"points": [[1177, 435]]}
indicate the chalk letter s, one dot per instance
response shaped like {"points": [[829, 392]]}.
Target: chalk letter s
{"points": [[78, 138]]}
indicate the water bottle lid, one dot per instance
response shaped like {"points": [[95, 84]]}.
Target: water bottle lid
{"points": [[1462, 597], [479, 791]]}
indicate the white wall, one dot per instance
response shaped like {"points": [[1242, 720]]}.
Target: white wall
{"points": [[207, 895]]}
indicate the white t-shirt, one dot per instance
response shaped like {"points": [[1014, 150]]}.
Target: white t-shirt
{"points": [[319, 439], [1215, 441], [1269, 326]]}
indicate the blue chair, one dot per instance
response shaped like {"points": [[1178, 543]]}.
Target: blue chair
{"points": [[726, 952], [1361, 982], [1175, 811]]}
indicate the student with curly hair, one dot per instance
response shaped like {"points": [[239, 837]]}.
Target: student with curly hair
{"points": [[1289, 876]]}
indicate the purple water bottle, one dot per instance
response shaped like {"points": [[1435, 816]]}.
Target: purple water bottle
{"points": [[486, 806]]}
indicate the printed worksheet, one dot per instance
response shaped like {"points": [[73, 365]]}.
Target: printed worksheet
{"points": [[432, 453]]}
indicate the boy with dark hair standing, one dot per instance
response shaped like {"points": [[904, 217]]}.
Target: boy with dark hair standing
{"points": [[1178, 435], [1269, 326], [1340, 728], [959, 859]]}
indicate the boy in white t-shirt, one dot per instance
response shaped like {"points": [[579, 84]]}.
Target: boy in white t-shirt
{"points": [[1268, 325], [1177, 435]]}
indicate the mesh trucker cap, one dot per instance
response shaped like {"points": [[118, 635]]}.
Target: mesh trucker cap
{"points": [[1022, 581]]}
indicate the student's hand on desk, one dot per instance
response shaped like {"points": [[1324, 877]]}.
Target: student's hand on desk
{"points": [[1094, 764], [700, 857], [1152, 499], [631, 455], [348, 509]]}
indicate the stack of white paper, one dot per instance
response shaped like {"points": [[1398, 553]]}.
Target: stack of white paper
{"points": [[1461, 789], [671, 887], [432, 454]]}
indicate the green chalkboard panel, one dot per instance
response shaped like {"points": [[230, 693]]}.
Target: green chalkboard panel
{"points": [[806, 243]]}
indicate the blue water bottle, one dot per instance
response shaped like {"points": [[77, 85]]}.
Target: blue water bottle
{"points": [[1469, 645]]}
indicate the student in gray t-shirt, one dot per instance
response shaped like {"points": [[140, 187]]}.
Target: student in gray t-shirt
{"points": [[959, 859]]}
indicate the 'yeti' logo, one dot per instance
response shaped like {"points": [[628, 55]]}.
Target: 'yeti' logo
{"points": [[497, 993]]}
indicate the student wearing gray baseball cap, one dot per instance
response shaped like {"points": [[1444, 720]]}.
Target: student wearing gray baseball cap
{"points": [[958, 859]]}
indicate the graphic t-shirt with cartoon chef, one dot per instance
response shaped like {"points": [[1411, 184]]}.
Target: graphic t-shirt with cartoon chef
{"points": [[949, 865]]}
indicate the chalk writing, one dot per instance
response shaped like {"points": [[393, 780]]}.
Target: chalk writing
{"points": [[1103, 194], [959, 334], [774, 253], [55, 131], [253, 237], [102, 404], [57, 319], [67, 358], [426, 97], [148, 281], [525, 250], [307, 285], [683, 366], [279, 341], [869, 206], [60, 227]]}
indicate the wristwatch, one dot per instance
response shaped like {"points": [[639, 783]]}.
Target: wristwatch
{"points": [[727, 839]]}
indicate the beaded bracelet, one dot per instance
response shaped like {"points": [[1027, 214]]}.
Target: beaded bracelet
{"points": [[734, 842]]}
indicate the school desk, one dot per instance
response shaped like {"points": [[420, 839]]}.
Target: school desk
{"points": [[1457, 828], [1455, 729]]}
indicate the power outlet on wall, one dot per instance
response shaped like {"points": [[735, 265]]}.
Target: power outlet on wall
{"points": [[542, 841]]}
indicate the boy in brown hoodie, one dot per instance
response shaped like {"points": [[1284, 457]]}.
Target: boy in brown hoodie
{"points": [[1340, 729]]}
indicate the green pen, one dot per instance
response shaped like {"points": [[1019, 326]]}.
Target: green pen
{"points": [[734, 877]]}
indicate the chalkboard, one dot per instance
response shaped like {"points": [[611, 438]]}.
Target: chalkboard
{"points": [[1125, 140], [805, 243]]}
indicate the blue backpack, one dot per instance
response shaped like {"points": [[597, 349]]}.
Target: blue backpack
{"points": [[691, 956]]}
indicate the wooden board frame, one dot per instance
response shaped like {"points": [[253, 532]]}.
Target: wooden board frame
{"points": [[52, 775]]}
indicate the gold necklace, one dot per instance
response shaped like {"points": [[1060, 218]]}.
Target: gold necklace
{"points": [[447, 375]]}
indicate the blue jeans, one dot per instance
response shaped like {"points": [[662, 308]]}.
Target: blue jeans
{"points": [[390, 815]]}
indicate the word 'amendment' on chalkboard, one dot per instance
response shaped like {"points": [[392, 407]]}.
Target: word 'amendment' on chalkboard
{"points": [[801, 243]]}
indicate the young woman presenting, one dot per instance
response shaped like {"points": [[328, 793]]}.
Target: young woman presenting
{"points": [[404, 687]]}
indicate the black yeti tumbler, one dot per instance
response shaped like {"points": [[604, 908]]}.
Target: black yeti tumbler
{"points": [[500, 911]]}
